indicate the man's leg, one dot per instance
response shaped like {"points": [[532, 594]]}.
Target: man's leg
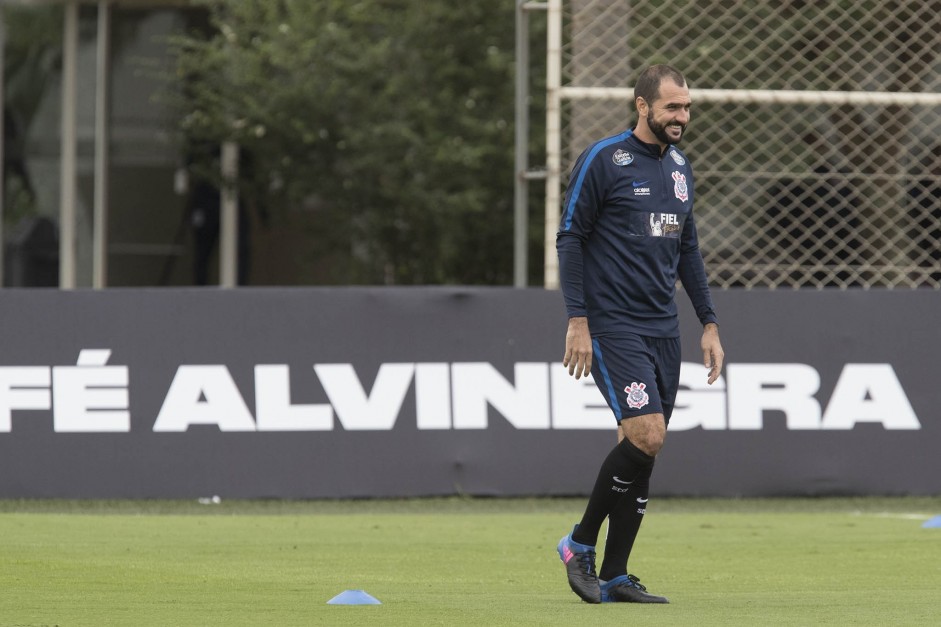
{"points": [[626, 517], [623, 525], [622, 368], [621, 468], [633, 456]]}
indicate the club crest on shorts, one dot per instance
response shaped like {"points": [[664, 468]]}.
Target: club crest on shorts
{"points": [[679, 186], [636, 397]]}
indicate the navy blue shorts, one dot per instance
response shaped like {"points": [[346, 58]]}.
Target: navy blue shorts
{"points": [[637, 375]]}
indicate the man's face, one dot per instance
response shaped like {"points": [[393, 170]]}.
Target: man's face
{"points": [[668, 115]]}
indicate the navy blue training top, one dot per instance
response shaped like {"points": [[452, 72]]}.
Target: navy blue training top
{"points": [[626, 234]]}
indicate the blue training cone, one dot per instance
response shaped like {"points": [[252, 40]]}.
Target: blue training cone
{"points": [[354, 597], [934, 522]]}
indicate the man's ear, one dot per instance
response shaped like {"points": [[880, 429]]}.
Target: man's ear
{"points": [[641, 105]]}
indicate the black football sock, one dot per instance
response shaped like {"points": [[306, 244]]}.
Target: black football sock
{"points": [[623, 525], [620, 468]]}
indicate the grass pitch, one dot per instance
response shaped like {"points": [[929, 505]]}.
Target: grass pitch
{"points": [[462, 562]]}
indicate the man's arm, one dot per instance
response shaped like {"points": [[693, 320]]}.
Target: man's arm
{"points": [[692, 273], [582, 202]]}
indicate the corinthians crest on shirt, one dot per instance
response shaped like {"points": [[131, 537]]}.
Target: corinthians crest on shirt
{"points": [[679, 186], [636, 396]]}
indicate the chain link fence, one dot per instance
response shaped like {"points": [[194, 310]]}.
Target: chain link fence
{"points": [[833, 188]]}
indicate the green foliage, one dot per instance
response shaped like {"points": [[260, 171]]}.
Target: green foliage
{"points": [[389, 121], [32, 54]]}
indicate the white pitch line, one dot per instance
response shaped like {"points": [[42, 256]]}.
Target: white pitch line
{"points": [[911, 516]]}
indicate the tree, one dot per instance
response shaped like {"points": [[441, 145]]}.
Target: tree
{"points": [[32, 56], [390, 120]]}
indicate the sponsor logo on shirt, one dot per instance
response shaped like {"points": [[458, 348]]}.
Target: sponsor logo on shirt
{"points": [[622, 157], [663, 224], [676, 157], [641, 188]]}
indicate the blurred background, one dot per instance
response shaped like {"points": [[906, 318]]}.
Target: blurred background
{"points": [[376, 138], [814, 132], [333, 144]]}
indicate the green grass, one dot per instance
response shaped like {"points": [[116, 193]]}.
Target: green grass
{"points": [[462, 562]]}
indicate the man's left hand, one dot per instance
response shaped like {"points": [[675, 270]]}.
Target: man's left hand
{"points": [[712, 354]]}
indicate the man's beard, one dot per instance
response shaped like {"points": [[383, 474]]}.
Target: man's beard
{"points": [[660, 130]]}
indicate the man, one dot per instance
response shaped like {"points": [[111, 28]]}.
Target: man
{"points": [[626, 234]]}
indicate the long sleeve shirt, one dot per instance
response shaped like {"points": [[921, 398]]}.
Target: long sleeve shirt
{"points": [[626, 235]]}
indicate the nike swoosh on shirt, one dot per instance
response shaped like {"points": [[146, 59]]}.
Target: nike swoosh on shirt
{"points": [[625, 482], [639, 183], [642, 500]]}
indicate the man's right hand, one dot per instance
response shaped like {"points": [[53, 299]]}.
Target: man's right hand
{"points": [[578, 348]]}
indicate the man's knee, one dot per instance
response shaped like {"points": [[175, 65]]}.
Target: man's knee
{"points": [[650, 443], [646, 432]]}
